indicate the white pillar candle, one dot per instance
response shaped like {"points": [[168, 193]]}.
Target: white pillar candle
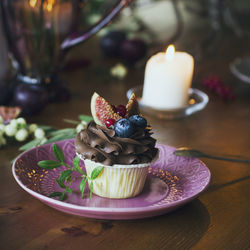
{"points": [[168, 77]]}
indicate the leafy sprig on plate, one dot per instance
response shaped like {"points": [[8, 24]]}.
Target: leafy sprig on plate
{"points": [[66, 179]]}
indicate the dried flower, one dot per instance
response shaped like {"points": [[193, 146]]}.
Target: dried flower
{"points": [[119, 71]]}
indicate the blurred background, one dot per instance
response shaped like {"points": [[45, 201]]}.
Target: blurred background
{"points": [[215, 32]]}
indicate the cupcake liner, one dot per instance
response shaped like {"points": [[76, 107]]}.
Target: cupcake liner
{"points": [[118, 181]]}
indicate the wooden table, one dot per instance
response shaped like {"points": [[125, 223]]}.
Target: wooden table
{"points": [[218, 219]]}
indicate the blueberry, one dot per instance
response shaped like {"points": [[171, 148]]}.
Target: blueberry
{"points": [[124, 128], [138, 121]]}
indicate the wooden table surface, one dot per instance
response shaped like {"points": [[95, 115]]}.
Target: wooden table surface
{"points": [[218, 219]]}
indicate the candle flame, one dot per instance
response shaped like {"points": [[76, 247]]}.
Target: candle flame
{"points": [[170, 53], [47, 4], [33, 3]]}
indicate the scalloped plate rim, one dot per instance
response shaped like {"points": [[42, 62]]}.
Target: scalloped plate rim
{"points": [[145, 210]]}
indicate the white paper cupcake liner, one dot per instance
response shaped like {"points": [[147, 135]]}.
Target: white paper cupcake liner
{"points": [[118, 181]]}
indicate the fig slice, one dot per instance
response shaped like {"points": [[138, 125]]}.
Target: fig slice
{"points": [[101, 110], [132, 106]]}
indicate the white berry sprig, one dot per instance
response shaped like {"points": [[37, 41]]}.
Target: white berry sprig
{"points": [[45, 134], [33, 135]]}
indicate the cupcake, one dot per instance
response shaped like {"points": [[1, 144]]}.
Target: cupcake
{"points": [[119, 139]]}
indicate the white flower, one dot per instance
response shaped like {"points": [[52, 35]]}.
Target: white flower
{"points": [[44, 139], [21, 120], [1, 119], [2, 129], [10, 130], [39, 133], [80, 127], [21, 134], [2, 141], [32, 127], [84, 123], [13, 123], [118, 71]]}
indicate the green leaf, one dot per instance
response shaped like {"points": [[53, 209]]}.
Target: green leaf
{"points": [[49, 164], [45, 127], [63, 196], [22, 125], [187, 152], [12, 161], [55, 194], [95, 173], [71, 121], [65, 174], [67, 166], [64, 131], [82, 185], [68, 178], [60, 183], [91, 189], [61, 137], [58, 153], [69, 190], [30, 145], [76, 163], [85, 118]]}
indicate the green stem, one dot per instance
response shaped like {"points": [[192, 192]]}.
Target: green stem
{"points": [[67, 166]]}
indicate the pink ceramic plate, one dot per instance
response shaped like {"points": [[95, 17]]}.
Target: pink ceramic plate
{"points": [[172, 181]]}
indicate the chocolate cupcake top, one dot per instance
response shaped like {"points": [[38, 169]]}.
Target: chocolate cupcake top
{"points": [[101, 144]]}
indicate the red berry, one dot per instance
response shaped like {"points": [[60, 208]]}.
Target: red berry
{"points": [[206, 83], [231, 96], [110, 122], [219, 89], [215, 85], [121, 110]]}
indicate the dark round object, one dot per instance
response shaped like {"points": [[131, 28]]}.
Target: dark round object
{"points": [[121, 110], [138, 121], [111, 42], [58, 92], [32, 98], [133, 50], [4, 93], [124, 128], [113, 107]]}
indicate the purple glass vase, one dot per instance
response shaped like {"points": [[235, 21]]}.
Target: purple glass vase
{"points": [[40, 32]]}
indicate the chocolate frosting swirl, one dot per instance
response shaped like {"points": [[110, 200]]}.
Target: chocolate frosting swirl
{"points": [[100, 144]]}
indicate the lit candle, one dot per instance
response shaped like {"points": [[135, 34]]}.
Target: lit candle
{"points": [[168, 77]]}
